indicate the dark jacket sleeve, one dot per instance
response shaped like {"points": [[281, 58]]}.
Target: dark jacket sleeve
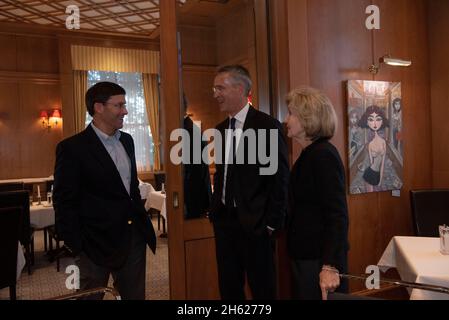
{"points": [[330, 182], [66, 197], [277, 204]]}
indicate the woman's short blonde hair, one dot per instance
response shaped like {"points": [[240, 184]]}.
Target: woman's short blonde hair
{"points": [[314, 111]]}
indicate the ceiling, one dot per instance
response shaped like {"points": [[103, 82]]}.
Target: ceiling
{"points": [[137, 17]]}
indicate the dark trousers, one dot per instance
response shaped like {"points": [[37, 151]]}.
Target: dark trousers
{"points": [[129, 280], [240, 253], [306, 279]]}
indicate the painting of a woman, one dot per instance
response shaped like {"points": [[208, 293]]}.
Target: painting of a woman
{"points": [[396, 120], [355, 133], [374, 119]]}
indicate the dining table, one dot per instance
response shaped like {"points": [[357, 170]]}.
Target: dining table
{"points": [[42, 215], [418, 260]]}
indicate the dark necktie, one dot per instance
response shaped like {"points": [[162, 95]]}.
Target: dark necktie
{"points": [[229, 193]]}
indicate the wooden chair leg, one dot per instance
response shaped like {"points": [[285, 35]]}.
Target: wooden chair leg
{"points": [[28, 258], [50, 243], [12, 293], [57, 258], [32, 251], [45, 239], [159, 221]]}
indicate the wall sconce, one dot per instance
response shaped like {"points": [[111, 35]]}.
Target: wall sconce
{"points": [[49, 120], [374, 69]]}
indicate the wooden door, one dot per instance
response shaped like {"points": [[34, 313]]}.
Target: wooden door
{"points": [[205, 46]]}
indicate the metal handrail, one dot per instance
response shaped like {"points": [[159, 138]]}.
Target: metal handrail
{"points": [[422, 286], [89, 292]]}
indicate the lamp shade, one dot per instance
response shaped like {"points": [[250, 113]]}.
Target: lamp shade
{"points": [[44, 114], [56, 114]]}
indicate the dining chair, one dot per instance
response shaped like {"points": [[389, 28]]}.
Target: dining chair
{"points": [[11, 186], [9, 239], [21, 199], [57, 253], [430, 208], [159, 179]]}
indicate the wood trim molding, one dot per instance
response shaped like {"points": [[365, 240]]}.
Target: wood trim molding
{"points": [[46, 31], [19, 76], [280, 64], [199, 68], [170, 119]]}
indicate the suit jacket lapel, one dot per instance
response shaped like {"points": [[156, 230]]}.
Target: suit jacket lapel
{"points": [[250, 123], [129, 150], [97, 148], [250, 119]]}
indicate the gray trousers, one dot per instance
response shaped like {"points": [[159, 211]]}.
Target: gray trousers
{"points": [[129, 280]]}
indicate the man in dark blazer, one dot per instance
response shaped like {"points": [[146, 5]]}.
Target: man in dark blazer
{"points": [[197, 189], [247, 206], [98, 208], [197, 185]]}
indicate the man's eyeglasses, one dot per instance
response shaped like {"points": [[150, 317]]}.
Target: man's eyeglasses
{"points": [[116, 105], [216, 89]]}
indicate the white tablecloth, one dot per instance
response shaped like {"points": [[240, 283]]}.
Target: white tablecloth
{"points": [[145, 188], [42, 216], [20, 260], [156, 200], [418, 260]]}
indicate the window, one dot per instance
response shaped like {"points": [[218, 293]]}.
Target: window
{"points": [[136, 122]]}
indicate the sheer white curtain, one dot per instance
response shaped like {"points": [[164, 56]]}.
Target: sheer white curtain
{"points": [[136, 122]]}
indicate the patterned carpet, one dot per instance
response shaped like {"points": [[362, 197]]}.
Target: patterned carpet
{"points": [[44, 282]]}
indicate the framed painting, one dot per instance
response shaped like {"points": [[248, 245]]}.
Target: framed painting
{"points": [[375, 143]]}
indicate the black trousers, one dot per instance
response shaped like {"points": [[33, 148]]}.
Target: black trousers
{"points": [[129, 280], [240, 253], [306, 279]]}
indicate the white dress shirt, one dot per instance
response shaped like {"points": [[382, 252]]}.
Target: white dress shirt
{"points": [[239, 123], [117, 153]]}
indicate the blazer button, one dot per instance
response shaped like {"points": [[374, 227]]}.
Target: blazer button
{"points": [[130, 222]]}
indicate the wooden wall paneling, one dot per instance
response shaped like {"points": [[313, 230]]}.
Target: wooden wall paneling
{"points": [[298, 53], [8, 62], [198, 45], [278, 39], [34, 77], [112, 42], [279, 57], [197, 84], [84, 37], [438, 33], [408, 41], [199, 59], [37, 54], [66, 76], [340, 50], [10, 142], [38, 144], [200, 266], [170, 120], [262, 55], [234, 37], [236, 44]]}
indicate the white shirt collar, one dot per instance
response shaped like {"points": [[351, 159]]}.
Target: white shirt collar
{"points": [[241, 116], [103, 136]]}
